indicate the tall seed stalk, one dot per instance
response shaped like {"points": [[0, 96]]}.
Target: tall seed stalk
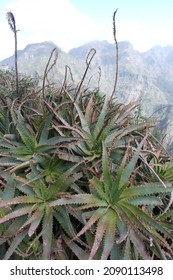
{"points": [[12, 24], [116, 44]]}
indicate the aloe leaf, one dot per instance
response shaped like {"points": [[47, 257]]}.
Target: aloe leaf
{"points": [[27, 138], [146, 189], [64, 181], [34, 225], [45, 130], [7, 146], [37, 183], [100, 203], [122, 229], [62, 216], [123, 132], [124, 112], [83, 120], [60, 139], [101, 118], [23, 187], [167, 225], [47, 234], [148, 200], [82, 147], [69, 157], [132, 218], [58, 186], [10, 136], [89, 235], [34, 220], [165, 216], [159, 238], [151, 222], [106, 173], [77, 199], [115, 184], [15, 226], [99, 234], [78, 251], [10, 188], [139, 245], [98, 186], [40, 158], [94, 218], [109, 238], [15, 243], [130, 166], [116, 252], [20, 200], [20, 151], [159, 251], [127, 250], [6, 161], [16, 213]]}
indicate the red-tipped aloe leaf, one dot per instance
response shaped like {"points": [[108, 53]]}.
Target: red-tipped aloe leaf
{"points": [[109, 238], [34, 220], [16, 213], [99, 234], [78, 199], [94, 218], [20, 200]]}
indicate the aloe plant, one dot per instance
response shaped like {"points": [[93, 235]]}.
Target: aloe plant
{"points": [[118, 216], [19, 149], [94, 123], [82, 170], [31, 210]]}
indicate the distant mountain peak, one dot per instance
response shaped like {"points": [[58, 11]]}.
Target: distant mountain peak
{"points": [[45, 44]]}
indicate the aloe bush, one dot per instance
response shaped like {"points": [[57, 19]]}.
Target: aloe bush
{"points": [[117, 214], [81, 178]]}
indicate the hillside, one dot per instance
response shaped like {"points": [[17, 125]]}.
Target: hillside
{"points": [[147, 76]]}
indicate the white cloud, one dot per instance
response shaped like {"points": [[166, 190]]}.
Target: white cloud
{"points": [[55, 20], [144, 36], [59, 21]]}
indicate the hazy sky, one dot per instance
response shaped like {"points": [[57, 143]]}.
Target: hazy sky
{"points": [[70, 23]]}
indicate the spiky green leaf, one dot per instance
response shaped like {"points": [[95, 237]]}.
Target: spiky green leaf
{"points": [[148, 200], [20, 200], [47, 234], [130, 166], [16, 213], [15, 243]]}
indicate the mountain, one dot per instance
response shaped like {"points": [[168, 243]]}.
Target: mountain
{"points": [[34, 58], [147, 76]]}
